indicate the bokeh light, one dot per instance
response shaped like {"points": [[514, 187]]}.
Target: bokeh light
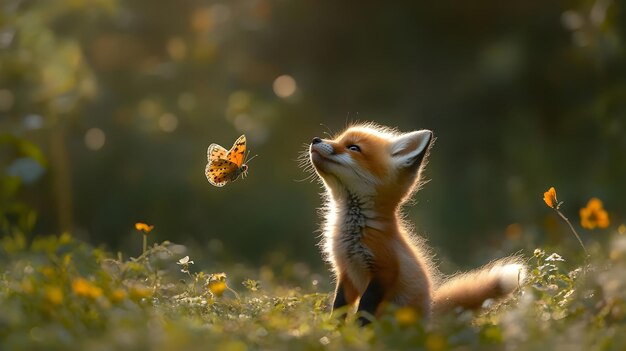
{"points": [[572, 20], [177, 48], [95, 139], [186, 102], [168, 122], [6, 100], [202, 20], [33, 121], [149, 108], [284, 86], [220, 13]]}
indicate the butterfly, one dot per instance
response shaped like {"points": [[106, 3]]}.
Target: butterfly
{"points": [[226, 166]]}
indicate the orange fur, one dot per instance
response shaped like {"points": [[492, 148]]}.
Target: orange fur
{"points": [[369, 172]]}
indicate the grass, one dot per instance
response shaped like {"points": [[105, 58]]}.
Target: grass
{"points": [[60, 293]]}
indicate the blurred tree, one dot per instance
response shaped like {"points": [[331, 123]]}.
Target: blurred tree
{"points": [[46, 78]]}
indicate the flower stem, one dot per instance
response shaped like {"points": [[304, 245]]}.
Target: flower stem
{"points": [[145, 243], [233, 291], [573, 231]]}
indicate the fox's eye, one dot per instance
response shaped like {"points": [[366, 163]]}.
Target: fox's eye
{"points": [[354, 148]]}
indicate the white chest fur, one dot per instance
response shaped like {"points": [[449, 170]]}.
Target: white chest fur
{"points": [[347, 244]]}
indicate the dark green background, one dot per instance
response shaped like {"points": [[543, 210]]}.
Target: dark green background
{"points": [[522, 95]]}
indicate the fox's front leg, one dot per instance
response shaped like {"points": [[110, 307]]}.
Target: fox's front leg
{"points": [[371, 300], [345, 294]]}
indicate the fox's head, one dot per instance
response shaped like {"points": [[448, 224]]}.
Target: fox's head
{"points": [[371, 161]]}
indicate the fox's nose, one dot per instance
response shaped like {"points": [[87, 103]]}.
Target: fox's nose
{"points": [[316, 140]]}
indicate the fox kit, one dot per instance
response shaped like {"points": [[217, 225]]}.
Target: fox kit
{"points": [[369, 172]]}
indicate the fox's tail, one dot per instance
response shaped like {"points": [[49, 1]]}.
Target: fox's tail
{"points": [[469, 290]]}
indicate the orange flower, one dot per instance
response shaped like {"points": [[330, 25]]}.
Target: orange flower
{"points": [[594, 215], [550, 198], [144, 227], [83, 287]]}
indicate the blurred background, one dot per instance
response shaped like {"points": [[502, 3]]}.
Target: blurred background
{"points": [[107, 108]]}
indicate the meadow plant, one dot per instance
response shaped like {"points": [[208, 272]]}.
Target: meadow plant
{"points": [[57, 292]]}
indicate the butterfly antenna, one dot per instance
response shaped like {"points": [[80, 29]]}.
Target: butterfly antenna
{"points": [[247, 160]]}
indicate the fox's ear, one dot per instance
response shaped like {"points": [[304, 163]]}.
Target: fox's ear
{"points": [[408, 150]]}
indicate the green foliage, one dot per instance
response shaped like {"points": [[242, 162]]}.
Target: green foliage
{"points": [[43, 64], [60, 293], [21, 162], [126, 95]]}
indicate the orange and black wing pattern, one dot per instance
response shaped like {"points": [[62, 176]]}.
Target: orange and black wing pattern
{"points": [[225, 166], [237, 153], [216, 152], [220, 172]]}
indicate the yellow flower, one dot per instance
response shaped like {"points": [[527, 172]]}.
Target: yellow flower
{"points": [[406, 316], [83, 287], [118, 295], [54, 295], [217, 287], [549, 197], [27, 286], [436, 342], [218, 276], [142, 227], [138, 291], [48, 272], [594, 215], [217, 284]]}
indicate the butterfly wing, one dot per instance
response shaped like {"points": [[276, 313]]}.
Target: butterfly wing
{"points": [[237, 152], [216, 152], [219, 172]]}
